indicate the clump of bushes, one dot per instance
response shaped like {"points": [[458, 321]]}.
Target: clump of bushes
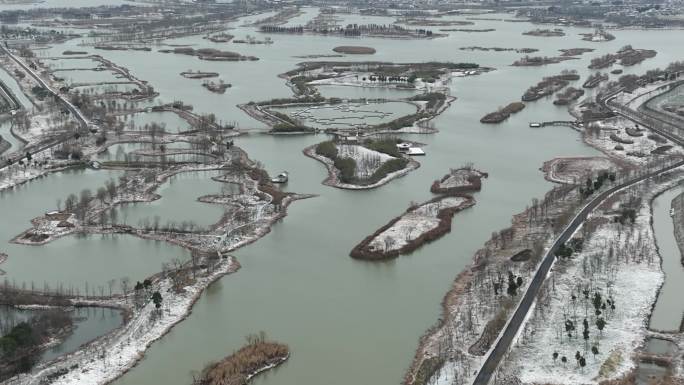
{"points": [[386, 146], [392, 165], [592, 186], [347, 168], [327, 149], [433, 99]]}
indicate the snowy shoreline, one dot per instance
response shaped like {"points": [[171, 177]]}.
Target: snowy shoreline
{"points": [[130, 340]]}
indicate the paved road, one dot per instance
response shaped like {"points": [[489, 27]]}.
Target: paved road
{"points": [[85, 123], [505, 340]]}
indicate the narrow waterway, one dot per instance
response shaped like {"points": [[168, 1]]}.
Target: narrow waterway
{"points": [[669, 308], [174, 207], [89, 323], [74, 261]]}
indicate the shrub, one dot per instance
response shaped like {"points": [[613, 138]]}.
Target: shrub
{"points": [[327, 149], [388, 167], [347, 168], [386, 146], [284, 127], [433, 99]]}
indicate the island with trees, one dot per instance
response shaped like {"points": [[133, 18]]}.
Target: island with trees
{"points": [[503, 113], [595, 79], [354, 50], [429, 77], [257, 356], [199, 74], [390, 31], [549, 85], [361, 164], [465, 179], [210, 54], [556, 32], [219, 87], [535, 61], [626, 56], [575, 51], [568, 96], [599, 35], [499, 49]]}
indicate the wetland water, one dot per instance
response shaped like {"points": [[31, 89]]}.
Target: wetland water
{"points": [[346, 321], [89, 323]]}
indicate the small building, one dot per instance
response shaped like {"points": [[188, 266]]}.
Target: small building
{"points": [[403, 147], [415, 151]]}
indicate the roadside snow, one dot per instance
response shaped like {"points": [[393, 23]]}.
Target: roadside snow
{"points": [[619, 262]]}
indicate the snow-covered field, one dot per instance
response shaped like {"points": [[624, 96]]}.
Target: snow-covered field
{"points": [[637, 153], [367, 161], [620, 262], [10, 178]]}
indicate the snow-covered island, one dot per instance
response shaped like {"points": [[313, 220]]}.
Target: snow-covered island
{"points": [[460, 180], [361, 164], [418, 225]]}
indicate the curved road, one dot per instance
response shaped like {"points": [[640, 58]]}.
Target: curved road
{"points": [[77, 113], [85, 123], [507, 336]]}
